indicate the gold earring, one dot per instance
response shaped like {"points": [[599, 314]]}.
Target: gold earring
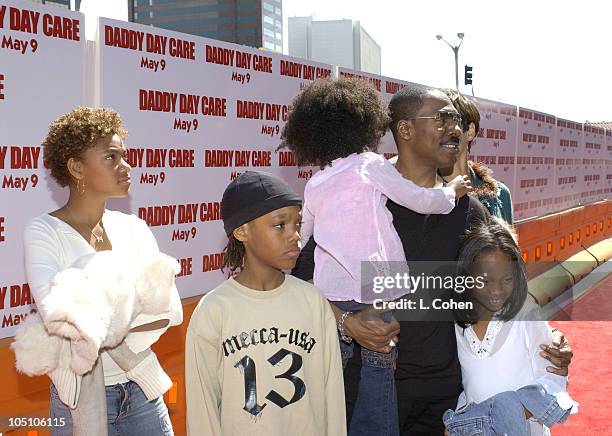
{"points": [[81, 186]]}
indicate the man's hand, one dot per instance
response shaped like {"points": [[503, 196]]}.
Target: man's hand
{"points": [[559, 354], [373, 334]]}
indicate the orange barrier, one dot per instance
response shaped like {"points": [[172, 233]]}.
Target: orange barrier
{"points": [[536, 239], [552, 238], [555, 238], [23, 396]]}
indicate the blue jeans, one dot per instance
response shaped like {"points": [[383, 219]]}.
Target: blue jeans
{"points": [[504, 413], [375, 411], [128, 410]]}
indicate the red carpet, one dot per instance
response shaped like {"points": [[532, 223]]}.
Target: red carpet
{"points": [[591, 369], [596, 304]]}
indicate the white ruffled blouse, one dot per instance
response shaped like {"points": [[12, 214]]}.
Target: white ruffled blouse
{"points": [[507, 359]]}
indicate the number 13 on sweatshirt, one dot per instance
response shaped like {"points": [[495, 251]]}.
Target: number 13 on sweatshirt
{"points": [[264, 363]]}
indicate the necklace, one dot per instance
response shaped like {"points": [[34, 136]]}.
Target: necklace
{"points": [[99, 239]]}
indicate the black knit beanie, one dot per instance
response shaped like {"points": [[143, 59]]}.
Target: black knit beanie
{"points": [[253, 194]]}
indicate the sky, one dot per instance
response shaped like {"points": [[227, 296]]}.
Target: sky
{"points": [[551, 56]]}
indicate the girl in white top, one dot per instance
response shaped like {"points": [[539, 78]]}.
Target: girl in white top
{"points": [[498, 342], [84, 150]]}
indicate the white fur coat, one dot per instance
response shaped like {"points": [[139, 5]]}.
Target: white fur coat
{"points": [[90, 306]]}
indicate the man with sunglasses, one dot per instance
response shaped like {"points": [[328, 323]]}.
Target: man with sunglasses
{"points": [[426, 129]]}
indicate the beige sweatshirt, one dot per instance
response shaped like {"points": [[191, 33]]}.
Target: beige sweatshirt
{"points": [[264, 363]]}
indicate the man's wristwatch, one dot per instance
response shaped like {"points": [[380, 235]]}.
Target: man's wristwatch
{"points": [[343, 335]]}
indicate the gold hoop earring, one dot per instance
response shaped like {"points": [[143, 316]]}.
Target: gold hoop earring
{"points": [[81, 186]]}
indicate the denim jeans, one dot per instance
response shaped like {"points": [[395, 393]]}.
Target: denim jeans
{"points": [[375, 411], [128, 410], [504, 414]]}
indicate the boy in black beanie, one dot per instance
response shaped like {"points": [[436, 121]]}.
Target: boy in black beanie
{"points": [[261, 354]]}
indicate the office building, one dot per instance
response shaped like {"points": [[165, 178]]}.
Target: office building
{"points": [[340, 42], [256, 23]]}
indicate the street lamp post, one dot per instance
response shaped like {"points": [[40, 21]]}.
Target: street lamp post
{"points": [[455, 49]]}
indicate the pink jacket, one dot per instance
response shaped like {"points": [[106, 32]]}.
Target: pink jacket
{"points": [[344, 207]]}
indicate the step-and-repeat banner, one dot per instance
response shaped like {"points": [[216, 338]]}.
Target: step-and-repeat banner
{"points": [[568, 163], [199, 112], [42, 60], [534, 190], [495, 142], [593, 164], [607, 163]]}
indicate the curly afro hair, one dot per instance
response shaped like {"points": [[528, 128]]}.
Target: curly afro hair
{"points": [[73, 133], [333, 118]]}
